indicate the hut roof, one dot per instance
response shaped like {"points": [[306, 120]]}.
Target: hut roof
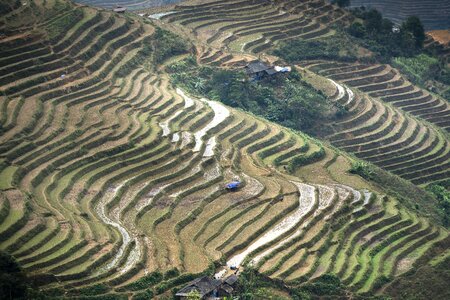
{"points": [[119, 9], [256, 67], [231, 279], [204, 285]]}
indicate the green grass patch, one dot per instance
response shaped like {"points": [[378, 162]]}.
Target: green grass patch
{"points": [[6, 177]]}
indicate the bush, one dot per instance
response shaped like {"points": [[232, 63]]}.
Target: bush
{"points": [[362, 169], [383, 38], [167, 44], [443, 197], [419, 68], [284, 99], [337, 47]]}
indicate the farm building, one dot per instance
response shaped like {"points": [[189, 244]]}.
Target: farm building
{"points": [[209, 288], [258, 70], [119, 9]]}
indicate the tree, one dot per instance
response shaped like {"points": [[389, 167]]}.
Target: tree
{"points": [[342, 3], [414, 26], [373, 21], [357, 30], [12, 279]]}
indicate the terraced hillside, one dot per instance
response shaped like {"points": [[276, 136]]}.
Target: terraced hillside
{"points": [[129, 4], [112, 180], [232, 27], [376, 124], [439, 44], [377, 128], [434, 14]]}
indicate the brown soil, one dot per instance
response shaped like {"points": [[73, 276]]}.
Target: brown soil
{"points": [[441, 36]]}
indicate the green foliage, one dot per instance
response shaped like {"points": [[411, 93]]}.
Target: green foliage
{"points": [[96, 289], [171, 273], [145, 282], [383, 38], [414, 26], [167, 44], [9, 6], [284, 99], [363, 169], [14, 283], [446, 94], [419, 68], [62, 24], [337, 47], [194, 295], [12, 278], [443, 197], [148, 294], [327, 285], [426, 282], [253, 286], [341, 3], [381, 281]]}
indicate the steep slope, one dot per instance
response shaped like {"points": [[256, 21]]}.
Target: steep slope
{"points": [[235, 27], [434, 14], [111, 177]]}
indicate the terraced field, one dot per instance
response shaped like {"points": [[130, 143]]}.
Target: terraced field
{"points": [[433, 13], [386, 111], [129, 4], [232, 27], [377, 128], [440, 45], [111, 177]]}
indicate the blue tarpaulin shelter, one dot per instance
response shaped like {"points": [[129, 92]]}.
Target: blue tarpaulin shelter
{"points": [[233, 185]]}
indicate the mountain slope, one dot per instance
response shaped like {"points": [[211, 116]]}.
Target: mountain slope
{"points": [[111, 177]]}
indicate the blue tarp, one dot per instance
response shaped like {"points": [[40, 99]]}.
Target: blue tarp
{"points": [[233, 185]]}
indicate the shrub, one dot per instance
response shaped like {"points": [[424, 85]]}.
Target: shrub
{"points": [[419, 68], [381, 281], [362, 169], [443, 197], [144, 282], [284, 99], [336, 48], [166, 44]]}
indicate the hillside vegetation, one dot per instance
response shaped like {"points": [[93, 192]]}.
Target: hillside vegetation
{"points": [[113, 165]]}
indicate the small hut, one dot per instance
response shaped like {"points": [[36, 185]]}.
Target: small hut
{"points": [[258, 70], [205, 286], [209, 288], [119, 9]]}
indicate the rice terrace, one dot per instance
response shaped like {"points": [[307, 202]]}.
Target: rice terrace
{"points": [[223, 149]]}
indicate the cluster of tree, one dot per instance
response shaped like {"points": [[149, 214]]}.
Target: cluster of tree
{"points": [[284, 99], [14, 283], [384, 38], [165, 44], [425, 70], [443, 196], [341, 3], [7, 6], [337, 47]]}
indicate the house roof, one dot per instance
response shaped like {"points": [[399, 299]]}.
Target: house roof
{"points": [[120, 9], [204, 285], [271, 71], [231, 279], [256, 67], [227, 288]]}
